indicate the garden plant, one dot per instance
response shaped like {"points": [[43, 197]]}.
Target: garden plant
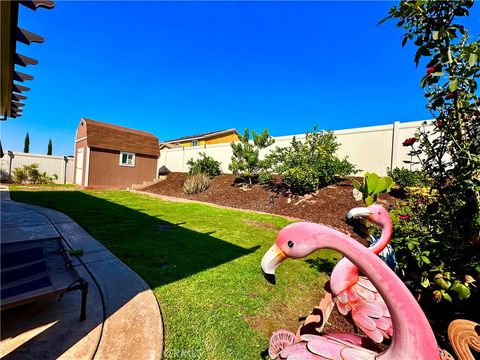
{"points": [[29, 174], [306, 166], [436, 233], [205, 165], [406, 178], [373, 185], [246, 163]]}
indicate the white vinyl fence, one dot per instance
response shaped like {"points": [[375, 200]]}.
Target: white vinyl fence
{"points": [[62, 166], [372, 149]]}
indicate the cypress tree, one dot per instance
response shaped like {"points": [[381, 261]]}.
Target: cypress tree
{"points": [[26, 146], [49, 148]]}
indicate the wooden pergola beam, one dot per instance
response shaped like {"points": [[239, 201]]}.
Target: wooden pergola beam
{"points": [[10, 33]]}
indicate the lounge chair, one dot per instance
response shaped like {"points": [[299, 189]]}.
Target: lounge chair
{"points": [[37, 270]]}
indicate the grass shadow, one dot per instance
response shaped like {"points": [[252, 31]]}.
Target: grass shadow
{"points": [[161, 252]]}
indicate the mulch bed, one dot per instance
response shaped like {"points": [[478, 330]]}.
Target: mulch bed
{"points": [[328, 206]]}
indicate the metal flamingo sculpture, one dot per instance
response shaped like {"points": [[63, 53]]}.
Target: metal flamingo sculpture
{"points": [[354, 295], [413, 339], [385, 223]]}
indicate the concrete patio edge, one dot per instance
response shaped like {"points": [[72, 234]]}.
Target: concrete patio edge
{"points": [[133, 325]]}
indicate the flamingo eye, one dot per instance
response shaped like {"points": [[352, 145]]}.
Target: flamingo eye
{"points": [[379, 213], [290, 244]]}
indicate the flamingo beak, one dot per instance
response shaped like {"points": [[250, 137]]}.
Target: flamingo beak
{"points": [[272, 258], [360, 212]]}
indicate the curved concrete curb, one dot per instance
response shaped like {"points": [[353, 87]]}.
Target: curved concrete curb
{"points": [[132, 322]]}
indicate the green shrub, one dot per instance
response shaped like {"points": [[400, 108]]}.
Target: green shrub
{"points": [[429, 257], [205, 165], [196, 183], [30, 174], [306, 166], [246, 163], [408, 178], [373, 185], [443, 235]]}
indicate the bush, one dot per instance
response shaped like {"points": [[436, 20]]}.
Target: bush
{"points": [[408, 178], [440, 236], [205, 165], [246, 163], [428, 257], [309, 165], [196, 183], [30, 174]]}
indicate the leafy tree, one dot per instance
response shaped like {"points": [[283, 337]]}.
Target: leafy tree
{"points": [[49, 147], [26, 144], [246, 163], [204, 165], [305, 166], [449, 151]]}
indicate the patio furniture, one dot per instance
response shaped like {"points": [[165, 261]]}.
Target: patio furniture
{"points": [[37, 270]]}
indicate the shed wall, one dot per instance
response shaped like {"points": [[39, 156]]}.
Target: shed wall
{"points": [[105, 171]]}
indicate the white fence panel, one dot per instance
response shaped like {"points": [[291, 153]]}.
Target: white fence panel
{"points": [[373, 148], [46, 163]]}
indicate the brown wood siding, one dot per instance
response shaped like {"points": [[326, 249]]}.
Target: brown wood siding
{"points": [[81, 130], [105, 170]]}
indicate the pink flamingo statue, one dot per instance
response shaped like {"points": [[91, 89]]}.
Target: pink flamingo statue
{"points": [[354, 295], [413, 339]]}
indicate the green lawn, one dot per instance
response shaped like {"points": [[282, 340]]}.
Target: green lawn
{"points": [[203, 264]]}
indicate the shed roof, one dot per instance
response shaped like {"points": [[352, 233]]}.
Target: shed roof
{"points": [[113, 137]]}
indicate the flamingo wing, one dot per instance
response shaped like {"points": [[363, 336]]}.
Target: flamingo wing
{"points": [[367, 308]]}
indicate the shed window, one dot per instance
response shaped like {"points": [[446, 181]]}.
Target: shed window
{"points": [[127, 159], [194, 142]]}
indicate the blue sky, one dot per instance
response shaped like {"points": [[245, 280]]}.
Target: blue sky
{"points": [[179, 68]]}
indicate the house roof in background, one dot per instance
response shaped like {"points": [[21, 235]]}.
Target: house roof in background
{"points": [[10, 33], [202, 136], [113, 137]]}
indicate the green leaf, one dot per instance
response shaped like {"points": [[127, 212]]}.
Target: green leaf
{"points": [[453, 85], [425, 259], [446, 296], [410, 246], [472, 59], [462, 290], [445, 285], [371, 180], [435, 35], [369, 200], [357, 185], [438, 73], [425, 283]]}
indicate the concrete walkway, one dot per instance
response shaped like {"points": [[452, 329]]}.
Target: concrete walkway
{"points": [[123, 317]]}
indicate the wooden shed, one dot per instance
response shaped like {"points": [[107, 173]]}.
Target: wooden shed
{"points": [[111, 156]]}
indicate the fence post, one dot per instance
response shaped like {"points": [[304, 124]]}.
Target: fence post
{"points": [[395, 143], [65, 161], [11, 156]]}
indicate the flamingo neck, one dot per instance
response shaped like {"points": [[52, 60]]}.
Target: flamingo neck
{"points": [[412, 335], [385, 237]]}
